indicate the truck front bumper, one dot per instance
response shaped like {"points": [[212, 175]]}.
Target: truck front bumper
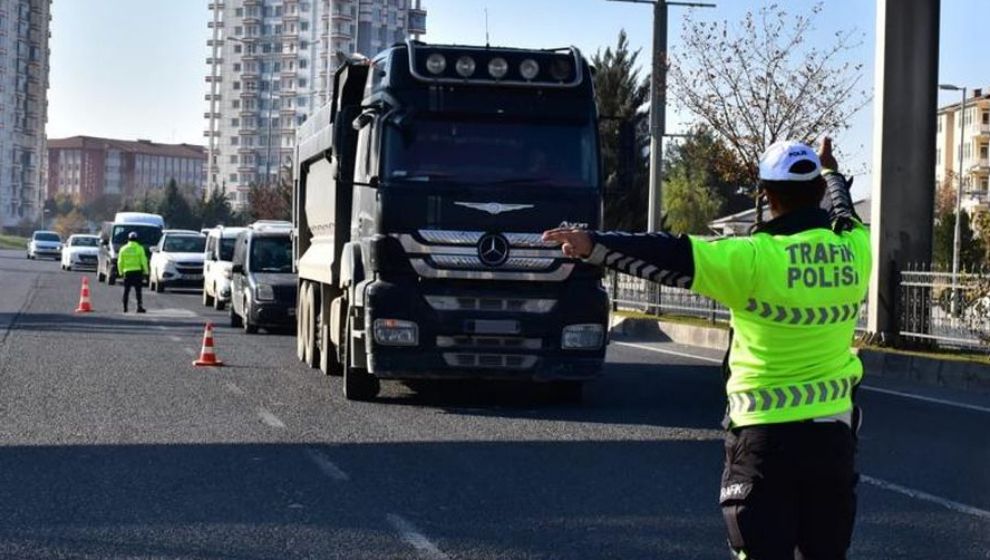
{"points": [[478, 342]]}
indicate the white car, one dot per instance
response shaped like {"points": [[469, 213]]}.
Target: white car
{"points": [[46, 244], [80, 251], [216, 268], [177, 260]]}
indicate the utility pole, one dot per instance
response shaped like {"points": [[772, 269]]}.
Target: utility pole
{"points": [[658, 102]]}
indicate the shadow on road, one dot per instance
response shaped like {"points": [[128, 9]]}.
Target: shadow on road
{"points": [[685, 396]]}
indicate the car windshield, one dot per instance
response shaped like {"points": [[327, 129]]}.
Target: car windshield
{"points": [[227, 248], [84, 242], [147, 235], [184, 244], [504, 152], [47, 237], [271, 254]]}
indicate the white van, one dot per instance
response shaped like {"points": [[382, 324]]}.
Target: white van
{"points": [[217, 259], [114, 235]]}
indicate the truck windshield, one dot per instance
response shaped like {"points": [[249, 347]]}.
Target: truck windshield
{"points": [[507, 152], [147, 235], [184, 244], [271, 254]]}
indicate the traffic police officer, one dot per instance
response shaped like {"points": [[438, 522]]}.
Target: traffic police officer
{"points": [[132, 266], [794, 288]]}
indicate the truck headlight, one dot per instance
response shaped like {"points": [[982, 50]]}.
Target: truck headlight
{"points": [[395, 332], [264, 292], [582, 337]]}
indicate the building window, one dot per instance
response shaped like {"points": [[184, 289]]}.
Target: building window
{"points": [[235, 122], [233, 177], [237, 85], [237, 67], [234, 140], [238, 31], [938, 156], [986, 117], [237, 49], [236, 104], [303, 63], [233, 158]]}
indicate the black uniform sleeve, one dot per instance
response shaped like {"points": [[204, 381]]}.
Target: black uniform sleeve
{"points": [[659, 257], [838, 201]]}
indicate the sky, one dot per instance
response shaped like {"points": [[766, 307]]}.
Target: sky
{"points": [[136, 68]]}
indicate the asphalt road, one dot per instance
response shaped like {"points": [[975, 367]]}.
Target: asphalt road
{"points": [[113, 446]]}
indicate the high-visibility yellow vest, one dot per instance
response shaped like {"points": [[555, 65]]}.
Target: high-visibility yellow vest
{"points": [[795, 300], [132, 258]]}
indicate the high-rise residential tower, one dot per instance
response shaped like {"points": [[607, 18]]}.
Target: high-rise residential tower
{"points": [[23, 110], [271, 64]]}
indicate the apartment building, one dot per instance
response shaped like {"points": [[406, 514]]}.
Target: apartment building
{"points": [[271, 64], [975, 135], [24, 26], [87, 167]]}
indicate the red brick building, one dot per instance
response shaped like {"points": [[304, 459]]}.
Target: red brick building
{"points": [[87, 167]]}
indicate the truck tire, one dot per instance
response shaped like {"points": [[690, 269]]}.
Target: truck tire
{"points": [[311, 354], [358, 384], [329, 360], [300, 321], [235, 319], [218, 304], [207, 298]]}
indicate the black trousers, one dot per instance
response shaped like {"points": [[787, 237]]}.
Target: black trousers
{"points": [[788, 491], [134, 279]]}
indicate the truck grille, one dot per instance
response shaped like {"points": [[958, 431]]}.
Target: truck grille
{"points": [[514, 305], [489, 342], [489, 361]]}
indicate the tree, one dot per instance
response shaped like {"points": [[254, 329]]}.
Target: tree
{"points": [[102, 208], [72, 222], [270, 202], [702, 162], [622, 96], [176, 209], [759, 82], [214, 209], [971, 248]]}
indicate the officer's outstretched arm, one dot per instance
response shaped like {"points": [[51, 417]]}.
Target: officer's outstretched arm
{"points": [[838, 201], [659, 257]]}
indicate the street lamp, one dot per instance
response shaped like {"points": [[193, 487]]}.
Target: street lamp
{"points": [[658, 101], [957, 230]]}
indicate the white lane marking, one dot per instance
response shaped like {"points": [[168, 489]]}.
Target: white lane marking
{"points": [[174, 338], [864, 387], [670, 352], [234, 388], [160, 327], [409, 533], [919, 495], [270, 419], [189, 351], [326, 466], [926, 399]]}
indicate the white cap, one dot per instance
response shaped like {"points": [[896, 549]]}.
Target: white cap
{"points": [[777, 162]]}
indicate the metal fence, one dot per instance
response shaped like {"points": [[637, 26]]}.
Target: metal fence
{"points": [[930, 312], [936, 311]]}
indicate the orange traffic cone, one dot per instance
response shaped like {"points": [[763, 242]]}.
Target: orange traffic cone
{"points": [[84, 305], [206, 355]]}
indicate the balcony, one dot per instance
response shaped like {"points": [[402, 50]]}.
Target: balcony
{"points": [[252, 3], [980, 167], [216, 24], [249, 94], [246, 150], [210, 79], [208, 133], [209, 115], [212, 97], [216, 6], [212, 60], [252, 20], [214, 42]]}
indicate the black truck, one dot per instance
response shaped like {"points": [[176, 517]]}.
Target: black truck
{"points": [[421, 191]]}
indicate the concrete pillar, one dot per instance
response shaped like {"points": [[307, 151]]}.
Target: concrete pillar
{"points": [[904, 106]]}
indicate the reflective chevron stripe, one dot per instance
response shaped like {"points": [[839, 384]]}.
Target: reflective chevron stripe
{"points": [[790, 396], [803, 315]]}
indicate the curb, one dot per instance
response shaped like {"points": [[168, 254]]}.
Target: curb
{"points": [[954, 374]]}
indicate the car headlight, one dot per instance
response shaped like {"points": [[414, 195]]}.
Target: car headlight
{"points": [[395, 332], [264, 292], [582, 337]]}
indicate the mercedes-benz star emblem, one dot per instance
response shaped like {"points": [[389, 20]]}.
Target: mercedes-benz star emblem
{"points": [[493, 249]]}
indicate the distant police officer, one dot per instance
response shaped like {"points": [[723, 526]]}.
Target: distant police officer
{"points": [[132, 264], [794, 288]]}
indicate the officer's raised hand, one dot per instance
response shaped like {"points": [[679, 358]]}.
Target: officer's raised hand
{"points": [[826, 156], [575, 243]]}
